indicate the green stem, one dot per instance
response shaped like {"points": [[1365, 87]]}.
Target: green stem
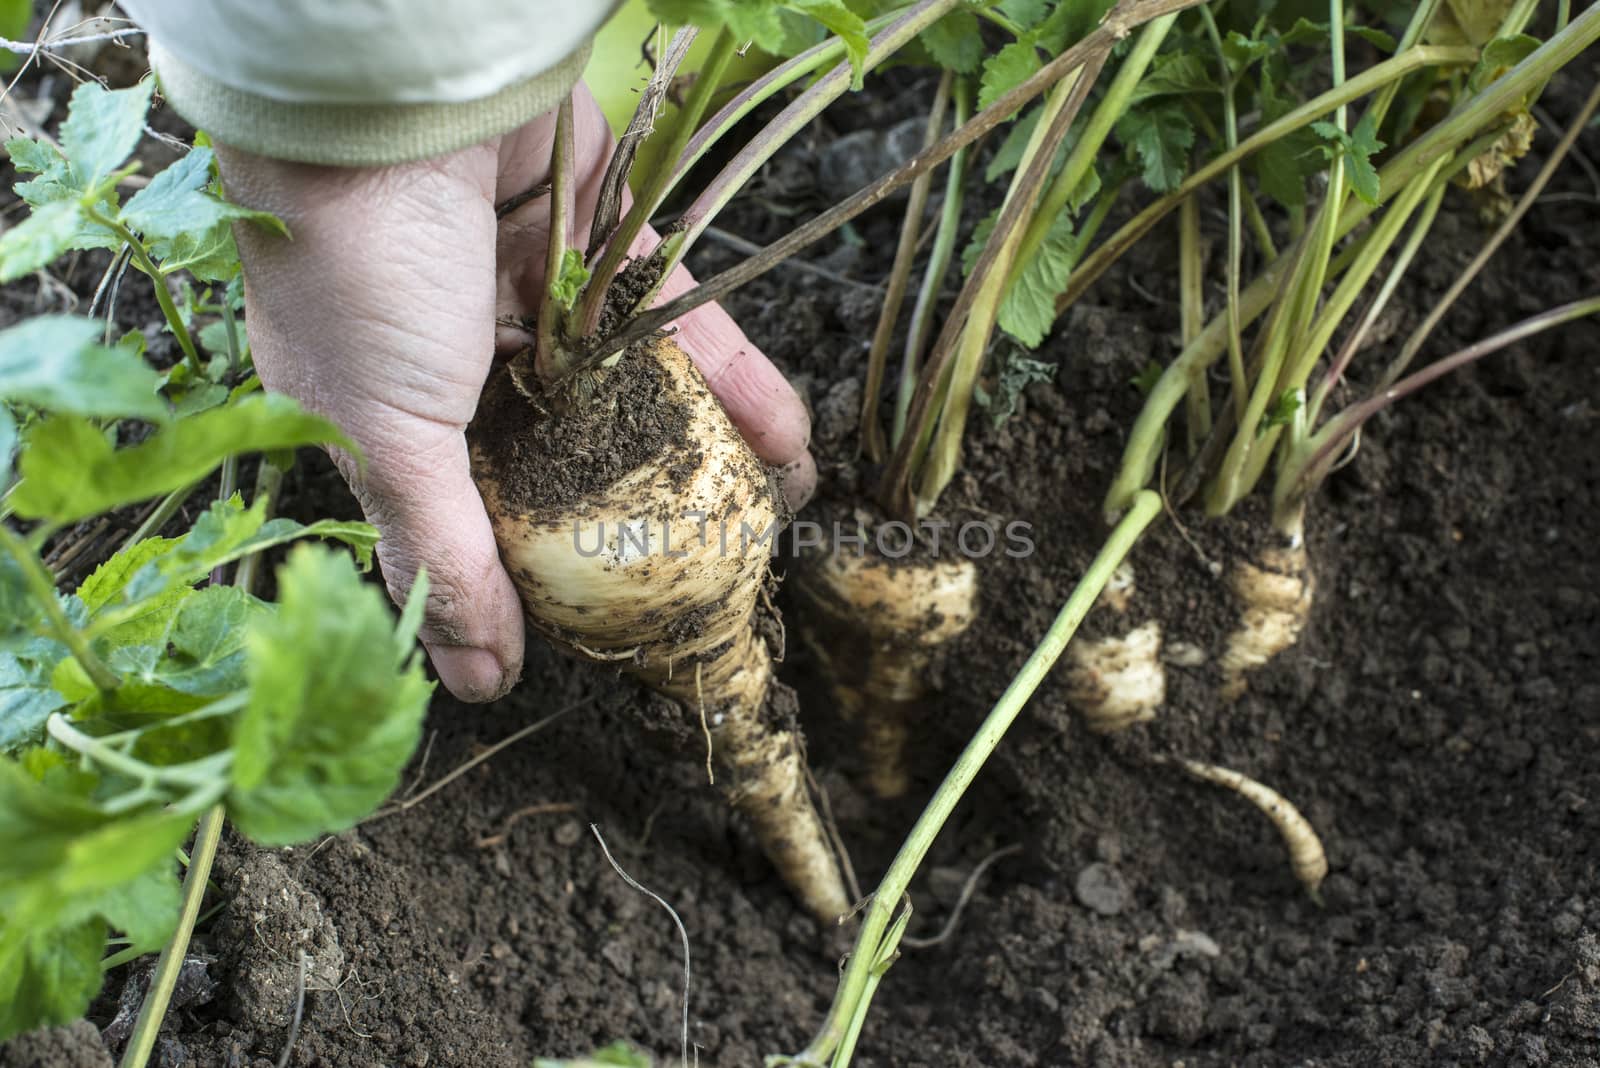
{"points": [[549, 354], [707, 81], [141, 255], [1192, 316], [195, 774], [165, 979], [43, 591], [872, 441], [944, 245], [1236, 375], [869, 944], [1383, 73], [1092, 138], [888, 953], [789, 122]]}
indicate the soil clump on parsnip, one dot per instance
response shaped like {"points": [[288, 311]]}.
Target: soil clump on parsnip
{"points": [[551, 453]]}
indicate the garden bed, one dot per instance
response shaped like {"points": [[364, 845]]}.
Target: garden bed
{"points": [[1439, 724]]}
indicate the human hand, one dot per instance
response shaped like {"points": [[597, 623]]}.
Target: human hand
{"points": [[381, 314]]}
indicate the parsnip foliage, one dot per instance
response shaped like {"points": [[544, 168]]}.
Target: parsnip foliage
{"points": [[152, 692]]}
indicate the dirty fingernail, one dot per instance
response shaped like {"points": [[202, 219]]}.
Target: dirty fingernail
{"points": [[799, 479], [470, 674]]}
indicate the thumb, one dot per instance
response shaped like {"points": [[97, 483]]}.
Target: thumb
{"points": [[421, 498]]}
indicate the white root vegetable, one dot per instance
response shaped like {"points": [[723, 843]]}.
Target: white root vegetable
{"points": [[660, 574], [1118, 681], [1306, 855], [876, 625], [1276, 593]]}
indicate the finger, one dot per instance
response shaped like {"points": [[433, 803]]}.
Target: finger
{"points": [[799, 481], [759, 400], [424, 503]]}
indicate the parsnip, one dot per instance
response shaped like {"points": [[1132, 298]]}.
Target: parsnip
{"points": [[1118, 681], [1275, 593], [875, 625], [1306, 855], [659, 574]]}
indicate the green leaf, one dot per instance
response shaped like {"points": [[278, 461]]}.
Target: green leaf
{"points": [[1176, 73], [145, 908], [55, 362], [954, 42], [1379, 39], [1028, 310], [1282, 411], [228, 532], [39, 239], [8, 445], [844, 24], [1145, 381], [179, 214], [48, 977], [1007, 69], [1017, 373], [55, 179], [1357, 149], [1242, 52], [571, 278], [1499, 56], [1160, 137], [747, 20], [26, 701], [336, 704], [69, 469], [102, 128], [15, 17], [107, 581]]}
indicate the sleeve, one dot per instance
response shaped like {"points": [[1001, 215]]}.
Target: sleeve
{"points": [[365, 82]]}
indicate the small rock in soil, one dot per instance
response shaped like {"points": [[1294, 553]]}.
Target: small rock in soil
{"points": [[1101, 888], [858, 159]]}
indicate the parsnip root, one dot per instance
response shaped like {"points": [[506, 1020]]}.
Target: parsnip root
{"points": [[1276, 594], [665, 586], [876, 625], [1306, 855], [1119, 681]]}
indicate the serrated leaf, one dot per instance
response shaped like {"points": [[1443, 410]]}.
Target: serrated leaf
{"points": [[1469, 22], [1160, 137], [1304, 31], [1017, 373], [55, 362], [102, 128], [1028, 310], [570, 279], [26, 701], [954, 42], [1241, 52], [40, 238], [69, 469], [228, 532], [747, 20], [1176, 73], [844, 24], [1007, 69], [336, 704], [177, 213]]}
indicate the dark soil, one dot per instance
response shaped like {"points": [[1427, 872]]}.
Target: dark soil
{"points": [[1439, 724], [548, 450]]}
